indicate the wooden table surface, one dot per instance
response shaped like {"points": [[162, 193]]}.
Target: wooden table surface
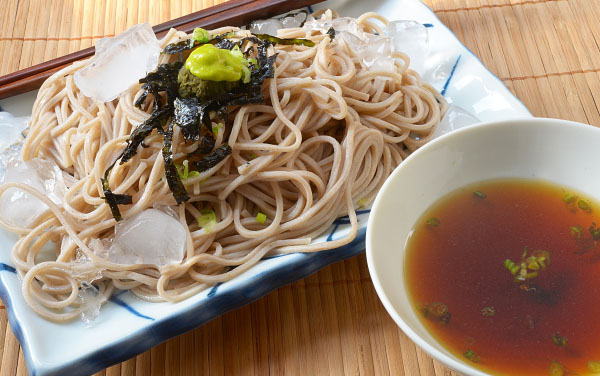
{"points": [[545, 51]]}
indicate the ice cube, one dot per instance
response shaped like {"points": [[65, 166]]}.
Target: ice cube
{"points": [[19, 207], [456, 118], [439, 67], [12, 128], [118, 63], [377, 55], [293, 19], [411, 38], [151, 237], [91, 300], [268, 26]]}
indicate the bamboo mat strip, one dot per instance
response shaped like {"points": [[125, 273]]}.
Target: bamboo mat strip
{"points": [[546, 52]]}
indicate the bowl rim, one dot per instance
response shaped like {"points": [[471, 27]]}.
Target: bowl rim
{"points": [[447, 360]]}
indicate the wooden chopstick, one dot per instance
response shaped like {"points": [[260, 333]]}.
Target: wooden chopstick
{"points": [[232, 13]]}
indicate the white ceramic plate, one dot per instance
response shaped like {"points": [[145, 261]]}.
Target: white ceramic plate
{"points": [[127, 326]]}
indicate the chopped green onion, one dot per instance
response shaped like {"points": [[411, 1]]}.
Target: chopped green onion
{"points": [[488, 311], [511, 266], [594, 366], [183, 170], [479, 194], [595, 231], [201, 35], [261, 217], [435, 222], [207, 219], [556, 369], [569, 197], [559, 340], [253, 156], [216, 129], [576, 232], [438, 311], [362, 202], [584, 205], [470, 355]]}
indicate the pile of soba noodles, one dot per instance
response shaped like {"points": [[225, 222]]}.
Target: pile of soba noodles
{"points": [[330, 131]]}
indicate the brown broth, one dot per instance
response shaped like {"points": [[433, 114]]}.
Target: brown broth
{"points": [[461, 264]]}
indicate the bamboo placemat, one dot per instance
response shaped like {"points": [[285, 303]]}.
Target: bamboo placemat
{"points": [[545, 51]]}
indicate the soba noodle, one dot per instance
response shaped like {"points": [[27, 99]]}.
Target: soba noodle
{"points": [[329, 134]]}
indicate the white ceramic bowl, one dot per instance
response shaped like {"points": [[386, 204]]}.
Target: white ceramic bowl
{"points": [[558, 151]]}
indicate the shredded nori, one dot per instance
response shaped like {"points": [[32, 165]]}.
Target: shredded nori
{"points": [[184, 45], [191, 113], [164, 78], [190, 44], [173, 179], [112, 199], [331, 33], [286, 41], [157, 120], [205, 146], [187, 117], [214, 158]]}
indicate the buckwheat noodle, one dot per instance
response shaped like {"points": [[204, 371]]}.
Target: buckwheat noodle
{"points": [[330, 133]]}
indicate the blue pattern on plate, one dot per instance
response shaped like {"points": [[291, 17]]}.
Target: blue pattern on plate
{"points": [[443, 92], [118, 301], [7, 268], [344, 221]]}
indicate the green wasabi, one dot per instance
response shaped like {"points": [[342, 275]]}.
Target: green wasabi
{"points": [[210, 63]]}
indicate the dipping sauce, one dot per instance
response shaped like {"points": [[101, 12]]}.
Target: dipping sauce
{"points": [[537, 313]]}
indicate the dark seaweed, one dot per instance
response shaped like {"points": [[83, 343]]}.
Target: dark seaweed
{"points": [[190, 44], [187, 117], [205, 145], [157, 120], [191, 113], [331, 33], [112, 199], [214, 158], [184, 45], [173, 179], [164, 78], [286, 41]]}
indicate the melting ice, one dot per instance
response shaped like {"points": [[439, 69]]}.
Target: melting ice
{"points": [[271, 25], [19, 207], [151, 237], [411, 38], [119, 62], [456, 118], [12, 128], [376, 51]]}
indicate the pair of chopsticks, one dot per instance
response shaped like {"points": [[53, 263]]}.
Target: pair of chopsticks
{"points": [[230, 13]]}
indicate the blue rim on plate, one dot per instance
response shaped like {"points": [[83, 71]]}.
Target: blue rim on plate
{"points": [[130, 326]]}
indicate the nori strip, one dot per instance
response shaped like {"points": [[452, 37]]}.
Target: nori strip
{"points": [[157, 120], [187, 117], [173, 179], [190, 114], [331, 33], [205, 146], [190, 44], [164, 78], [214, 158], [184, 45], [286, 41], [112, 199]]}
